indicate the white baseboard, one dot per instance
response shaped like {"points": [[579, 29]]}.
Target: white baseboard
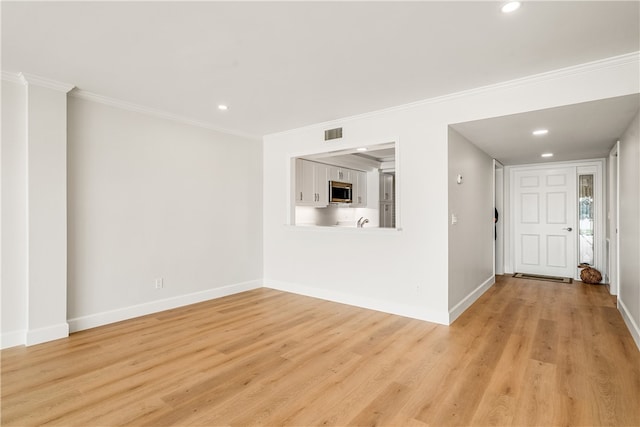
{"points": [[360, 301], [13, 338], [459, 308], [48, 333], [117, 315], [631, 324]]}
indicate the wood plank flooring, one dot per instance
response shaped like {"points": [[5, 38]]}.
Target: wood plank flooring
{"points": [[526, 353]]}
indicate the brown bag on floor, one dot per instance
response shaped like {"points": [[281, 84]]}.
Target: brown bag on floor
{"points": [[589, 274]]}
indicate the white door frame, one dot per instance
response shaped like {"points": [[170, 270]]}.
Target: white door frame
{"points": [[597, 165], [613, 220], [498, 202]]}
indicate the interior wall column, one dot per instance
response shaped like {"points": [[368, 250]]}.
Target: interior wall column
{"points": [[46, 209]]}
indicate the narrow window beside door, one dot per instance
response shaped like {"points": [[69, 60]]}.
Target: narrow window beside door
{"points": [[585, 223]]}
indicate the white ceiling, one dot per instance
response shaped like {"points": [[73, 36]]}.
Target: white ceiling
{"points": [[284, 65], [376, 157], [580, 131]]}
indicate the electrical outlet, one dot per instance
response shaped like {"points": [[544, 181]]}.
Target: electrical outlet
{"points": [[159, 283]]}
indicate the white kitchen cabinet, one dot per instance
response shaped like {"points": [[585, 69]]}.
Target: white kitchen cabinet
{"points": [[387, 200], [359, 193], [312, 184], [340, 174], [387, 215], [387, 188]]}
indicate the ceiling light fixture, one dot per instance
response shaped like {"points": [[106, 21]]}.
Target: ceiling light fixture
{"points": [[512, 6], [540, 132], [223, 107], [547, 155], [361, 149]]}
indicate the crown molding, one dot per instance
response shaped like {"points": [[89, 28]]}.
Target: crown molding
{"points": [[32, 79], [112, 102], [588, 67], [13, 77], [28, 79], [632, 58]]}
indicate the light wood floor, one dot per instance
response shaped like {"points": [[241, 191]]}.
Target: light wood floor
{"points": [[527, 353]]}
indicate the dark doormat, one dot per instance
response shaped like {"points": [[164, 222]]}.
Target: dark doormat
{"points": [[541, 277]]}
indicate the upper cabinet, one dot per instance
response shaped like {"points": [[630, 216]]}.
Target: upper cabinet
{"points": [[312, 187], [312, 183], [359, 179], [341, 174]]}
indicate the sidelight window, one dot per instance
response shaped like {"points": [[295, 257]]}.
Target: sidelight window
{"points": [[585, 219]]}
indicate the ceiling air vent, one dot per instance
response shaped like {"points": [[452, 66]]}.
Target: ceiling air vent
{"points": [[332, 134]]}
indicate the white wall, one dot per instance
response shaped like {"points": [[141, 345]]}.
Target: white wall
{"points": [[404, 271], [629, 228], [471, 239], [356, 266], [34, 210], [14, 214], [47, 211], [147, 198], [152, 198]]}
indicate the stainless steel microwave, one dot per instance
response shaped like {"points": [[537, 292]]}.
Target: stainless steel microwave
{"points": [[340, 192]]}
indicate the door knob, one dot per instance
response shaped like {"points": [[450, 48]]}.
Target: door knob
{"points": [[568, 228]]}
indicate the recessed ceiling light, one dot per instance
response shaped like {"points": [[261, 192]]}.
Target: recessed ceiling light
{"points": [[547, 155], [512, 6], [223, 107], [540, 132], [361, 149]]}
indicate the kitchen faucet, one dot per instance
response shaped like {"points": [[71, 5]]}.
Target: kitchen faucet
{"points": [[362, 221]]}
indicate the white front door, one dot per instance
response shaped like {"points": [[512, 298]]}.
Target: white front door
{"points": [[545, 221]]}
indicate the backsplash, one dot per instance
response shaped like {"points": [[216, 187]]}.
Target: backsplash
{"points": [[335, 215]]}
